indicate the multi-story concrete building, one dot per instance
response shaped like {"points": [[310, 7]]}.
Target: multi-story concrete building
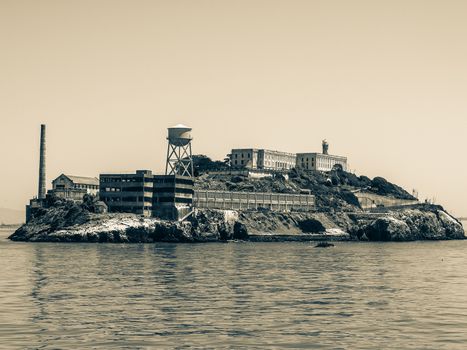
{"points": [[165, 196], [275, 160], [130, 193], [244, 158], [320, 161], [172, 196], [252, 158]]}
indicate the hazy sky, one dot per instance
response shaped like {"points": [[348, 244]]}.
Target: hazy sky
{"points": [[385, 82]]}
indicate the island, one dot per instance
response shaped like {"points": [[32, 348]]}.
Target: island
{"points": [[347, 208]]}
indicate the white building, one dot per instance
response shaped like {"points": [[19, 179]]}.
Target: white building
{"points": [[263, 159], [64, 183], [320, 161], [252, 158]]}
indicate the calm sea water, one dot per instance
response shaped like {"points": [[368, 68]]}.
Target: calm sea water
{"points": [[235, 295]]}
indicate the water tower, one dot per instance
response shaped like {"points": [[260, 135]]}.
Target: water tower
{"points": [[179, 158]]}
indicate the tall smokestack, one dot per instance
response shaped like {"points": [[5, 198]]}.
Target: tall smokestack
{"points": [[41, 194]]}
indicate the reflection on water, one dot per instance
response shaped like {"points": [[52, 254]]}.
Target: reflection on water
{"points": [[251, 295]]}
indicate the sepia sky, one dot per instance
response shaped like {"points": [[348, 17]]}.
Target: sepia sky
{"points": [[385, 82]]}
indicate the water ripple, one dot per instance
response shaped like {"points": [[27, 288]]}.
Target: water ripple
{"points": [[230, 296]]}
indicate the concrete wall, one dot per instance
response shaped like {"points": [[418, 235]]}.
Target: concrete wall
{"points": [[69, 193], [253, 201], [369, 200]]}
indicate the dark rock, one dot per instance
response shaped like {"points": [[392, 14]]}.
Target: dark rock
{"points": [[311, 226], [211, 225], [324, 245], [240, 231], [173, 232], [387, 229], [423, 223]]}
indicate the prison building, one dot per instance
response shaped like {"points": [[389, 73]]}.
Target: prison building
{"points": [[128, 193], [74, 187], [244, 158], [252, 158], [320, 161], [172, 196]]}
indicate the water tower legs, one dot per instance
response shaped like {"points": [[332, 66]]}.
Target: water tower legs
{"points": [[179, 160]]}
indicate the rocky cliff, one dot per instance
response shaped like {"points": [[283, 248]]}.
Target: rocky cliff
{"points": [[70, 222], [423, 222]]}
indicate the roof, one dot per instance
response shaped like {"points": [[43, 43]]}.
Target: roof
{"points": [[321, 155], [82, 180], [180, 126]]}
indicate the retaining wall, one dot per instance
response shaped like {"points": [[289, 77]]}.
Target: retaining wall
{"points": [[253, 200]]}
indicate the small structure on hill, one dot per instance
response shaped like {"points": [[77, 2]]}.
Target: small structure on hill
{"points": [[321, 161], [252, 159], [264, 159], [74, 187]]}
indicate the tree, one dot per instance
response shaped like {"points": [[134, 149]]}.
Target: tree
{"points": [[202, 164]]}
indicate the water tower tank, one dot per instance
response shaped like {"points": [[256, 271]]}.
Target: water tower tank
{"points": [[179, 135]]}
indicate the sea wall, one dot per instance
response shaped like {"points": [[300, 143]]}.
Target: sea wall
{"points": [[371, 200]]}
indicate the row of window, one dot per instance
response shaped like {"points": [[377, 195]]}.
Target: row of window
{"points": [[125, 209], [88, 187], [127, 199], [127, 189], [269, 156], [172, 190], [169, 199], [248, 155], [278, 164], [169, 180], [119, 179], [273, 164], [112, 201], [148, 189]]}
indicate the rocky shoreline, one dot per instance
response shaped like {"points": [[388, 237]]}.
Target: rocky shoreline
{"points": [[69, 222], [338, 216]]}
